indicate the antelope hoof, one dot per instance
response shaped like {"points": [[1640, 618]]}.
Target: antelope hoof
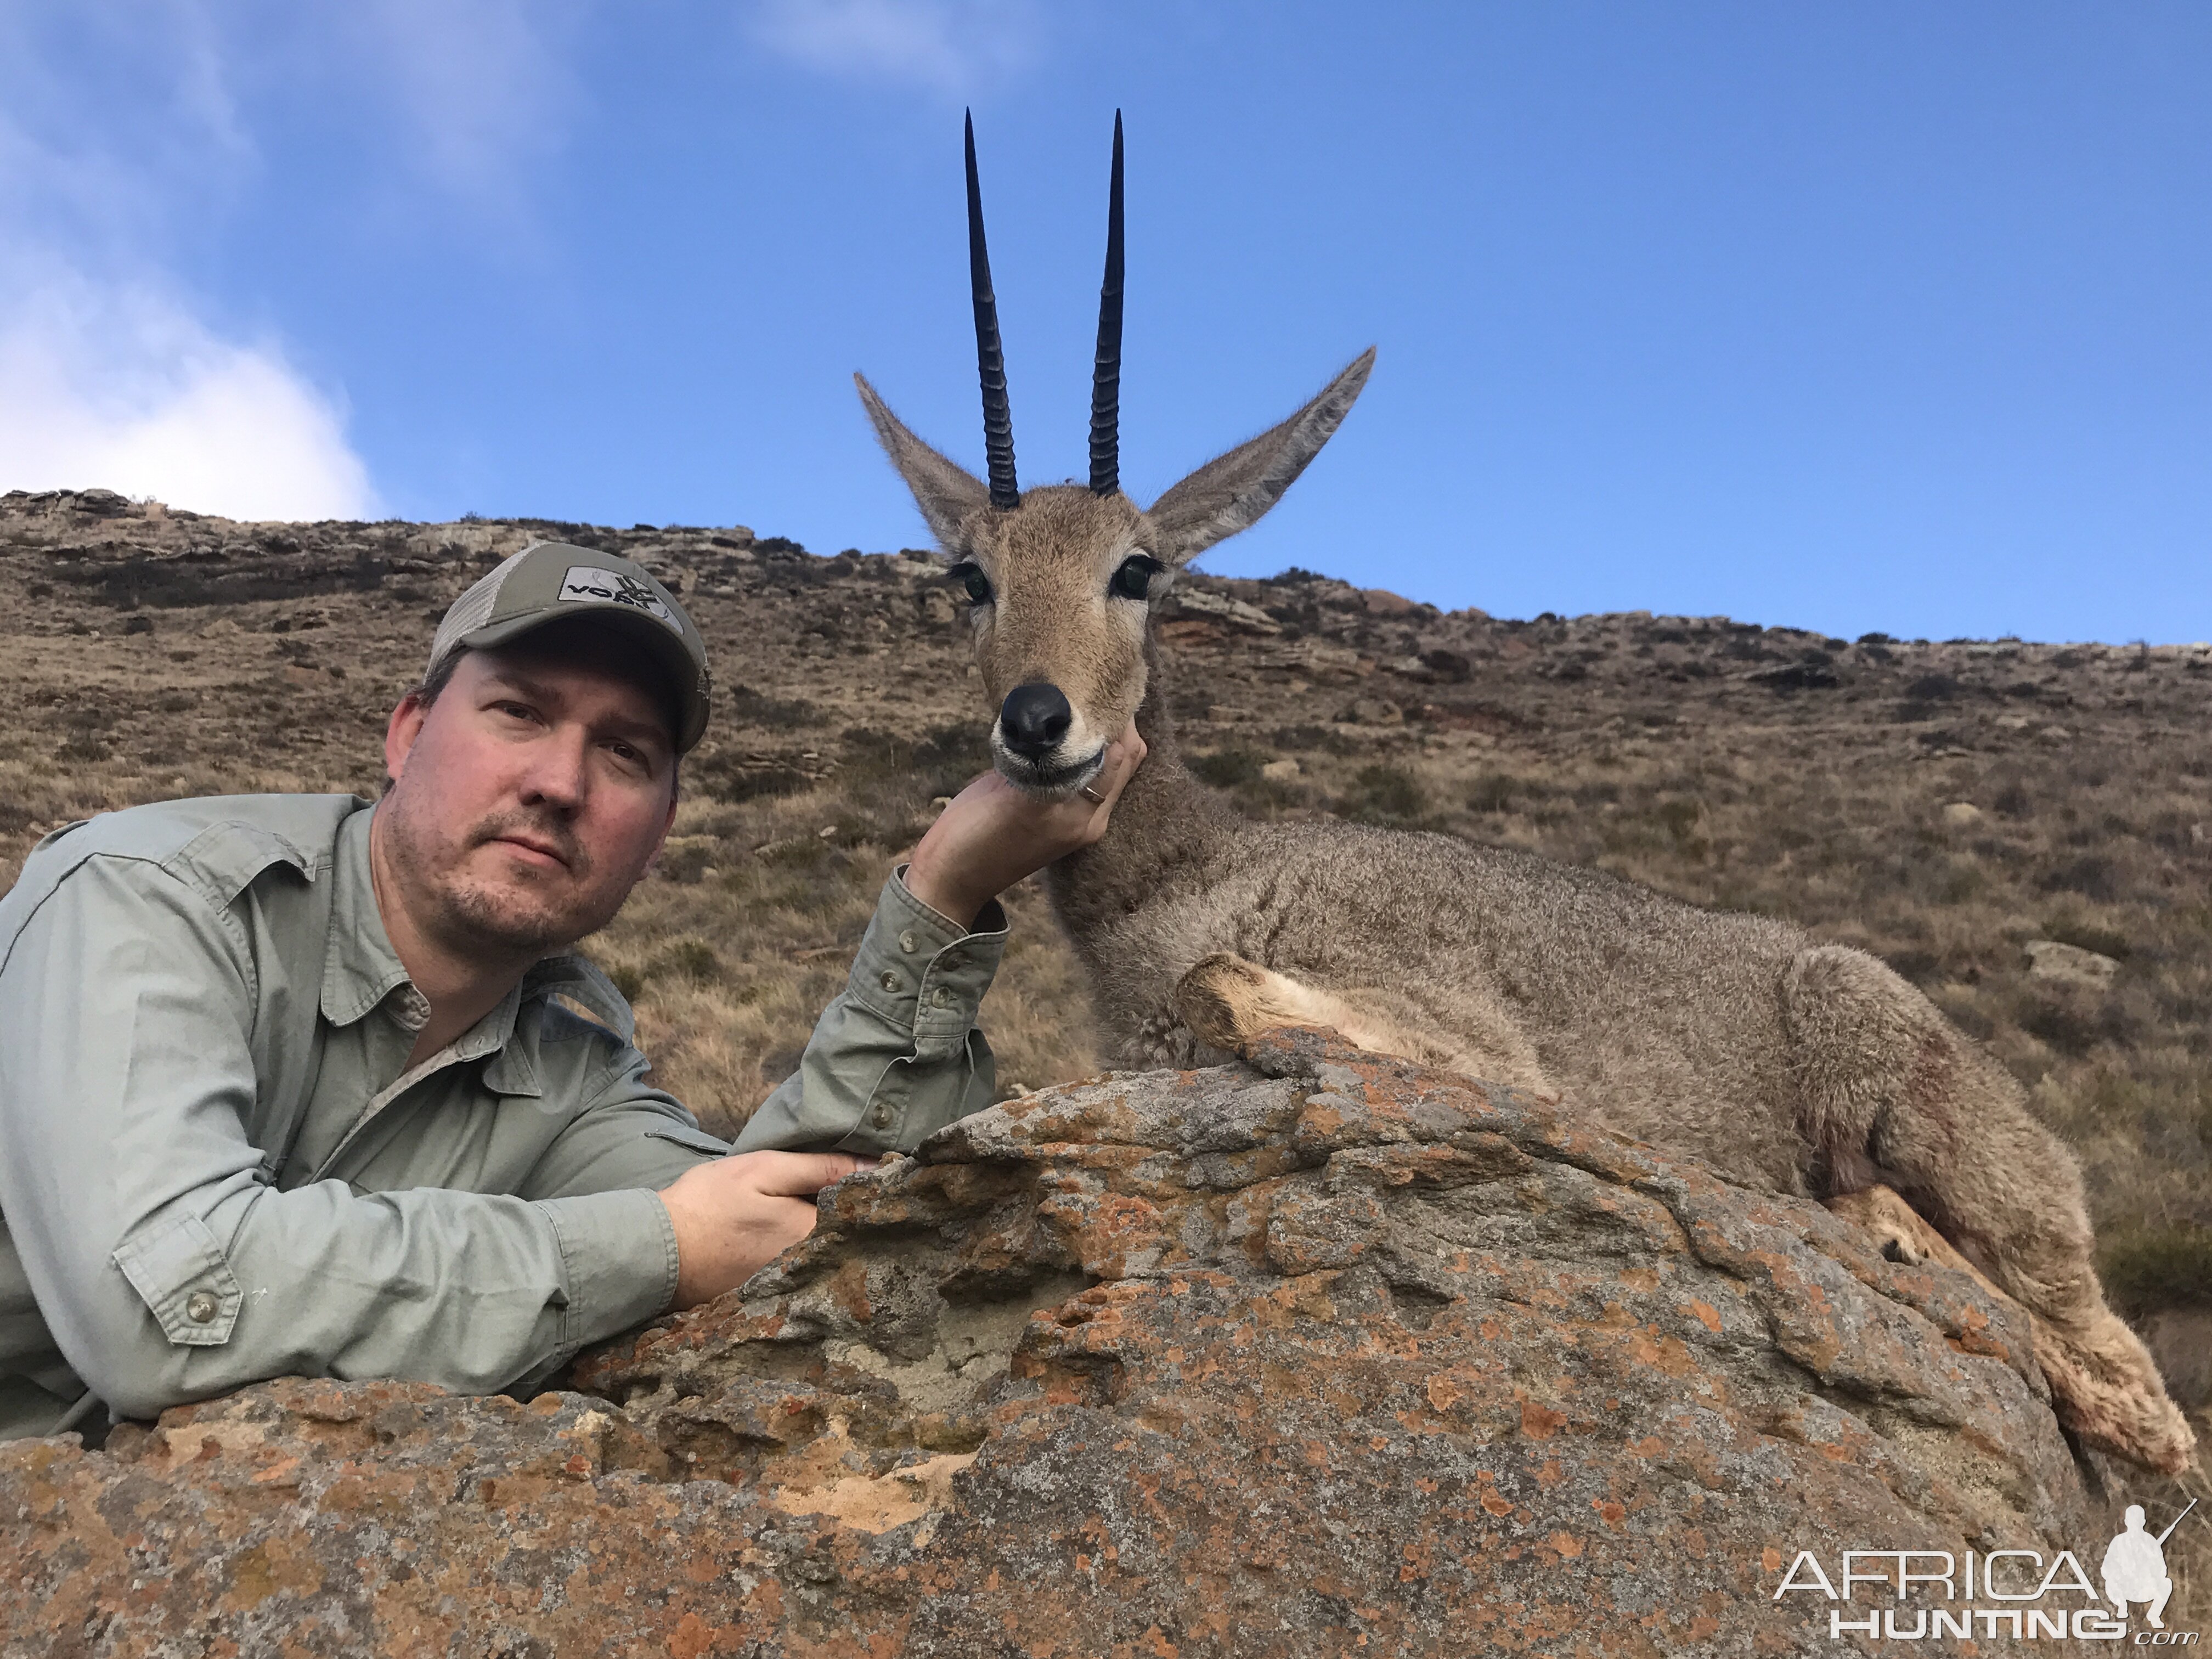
{"points": [[2106, 1388], [1223, 1000], [1899, 1232]]}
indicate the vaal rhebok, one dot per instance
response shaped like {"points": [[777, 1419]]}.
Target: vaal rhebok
{"points": [[1800, 1066]]}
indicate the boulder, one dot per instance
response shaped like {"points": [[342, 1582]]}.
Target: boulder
{"points": [[1382, 602], [1319, 1354], [2050, 962], [1189, 601]]}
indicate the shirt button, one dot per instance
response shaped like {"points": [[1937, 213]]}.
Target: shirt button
{"points": [[890, 982], [200, 1308], [944, 997], [910, 943], [881, 1117]]}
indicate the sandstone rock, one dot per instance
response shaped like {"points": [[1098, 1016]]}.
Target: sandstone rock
{"points": [[1322, 662], [2052, 964], [1382, 602], [1962, 815], [1189, 601], [685, 857], [1795, 677], [1452, 665], [1332, 1355]]}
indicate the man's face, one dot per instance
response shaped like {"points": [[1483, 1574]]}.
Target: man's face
{"points": [[527, 799]]}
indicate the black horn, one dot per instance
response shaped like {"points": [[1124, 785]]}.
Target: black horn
{"points": [[1106, 374], [990, 361]]}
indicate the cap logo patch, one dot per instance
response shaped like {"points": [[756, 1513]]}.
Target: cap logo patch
{"points": [[588, 584]]}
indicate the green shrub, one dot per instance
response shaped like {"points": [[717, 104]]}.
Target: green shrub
{"points": [[1388, 795], [1493, 791], [689, 959], [2157, 1267], [1325, 738], [943, 757], [750, 707], [731, 777]]}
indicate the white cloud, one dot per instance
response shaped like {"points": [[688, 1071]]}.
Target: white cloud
{"points": [[121, 388], [128, 137], [129, 132], [949, 46]]}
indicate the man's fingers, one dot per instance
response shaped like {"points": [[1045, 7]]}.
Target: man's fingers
{"points": [[1123, 756], [800, 1174]]}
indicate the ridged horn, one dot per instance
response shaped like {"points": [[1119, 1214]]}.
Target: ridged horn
{"points": [[1106, 373], [990, 361]]}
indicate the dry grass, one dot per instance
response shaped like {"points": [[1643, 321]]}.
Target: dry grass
{"points": [[748, 930], [1763, 770]]}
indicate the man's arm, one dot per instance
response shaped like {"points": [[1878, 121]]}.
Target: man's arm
{"points": [[731, 1215], [165, 1267], [897, 1055]]}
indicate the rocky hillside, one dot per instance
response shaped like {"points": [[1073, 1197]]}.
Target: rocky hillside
{"points": [[1327, 1355], [2024, 830]]}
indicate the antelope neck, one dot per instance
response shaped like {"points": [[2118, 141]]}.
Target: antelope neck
{"points": [[1165, 822]]}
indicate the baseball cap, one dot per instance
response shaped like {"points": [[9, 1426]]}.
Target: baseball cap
{"points": [[553, 582]]}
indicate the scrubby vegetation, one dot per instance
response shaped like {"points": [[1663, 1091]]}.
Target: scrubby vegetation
{"points": [[1941, 806]]}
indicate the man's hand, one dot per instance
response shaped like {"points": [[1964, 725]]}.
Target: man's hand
{"points": [[735, 1215], [993, 835]]}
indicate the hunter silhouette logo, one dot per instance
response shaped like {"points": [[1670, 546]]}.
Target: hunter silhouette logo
{"points": [[2135, 1566], [589, 584], [1922, 1594]]}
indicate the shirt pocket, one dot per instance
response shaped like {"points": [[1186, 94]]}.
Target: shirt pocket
{"points": [[181, 1272], [697, 1141]]}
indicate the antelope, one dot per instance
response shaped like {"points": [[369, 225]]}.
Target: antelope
{"points": [[1798, 1067]]}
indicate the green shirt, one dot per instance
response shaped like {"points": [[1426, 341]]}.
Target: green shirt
{"points": [[215, 1167]]}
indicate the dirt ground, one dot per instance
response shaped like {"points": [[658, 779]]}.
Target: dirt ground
{"points": [[1944, 804]]}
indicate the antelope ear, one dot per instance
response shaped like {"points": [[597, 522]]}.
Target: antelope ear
{"points": [[1232, 492], [946, 492]]}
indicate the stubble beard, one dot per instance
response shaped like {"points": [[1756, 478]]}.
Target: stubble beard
{"points": [[524, 917]]}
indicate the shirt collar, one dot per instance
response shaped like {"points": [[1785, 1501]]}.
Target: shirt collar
{"points": [[360, 967]]}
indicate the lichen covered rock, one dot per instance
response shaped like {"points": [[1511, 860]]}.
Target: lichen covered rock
{"points": [[1332, 1355]]}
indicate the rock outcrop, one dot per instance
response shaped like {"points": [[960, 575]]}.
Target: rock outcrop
{"points": [[1323, 1355]]}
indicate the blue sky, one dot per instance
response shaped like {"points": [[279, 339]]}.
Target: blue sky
{"points": [[1870, 316]]}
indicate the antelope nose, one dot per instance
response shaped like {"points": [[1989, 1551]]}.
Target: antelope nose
{"points": [[1034, 719]]}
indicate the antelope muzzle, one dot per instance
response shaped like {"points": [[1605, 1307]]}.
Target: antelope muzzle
{"points": [[1032, 740]]}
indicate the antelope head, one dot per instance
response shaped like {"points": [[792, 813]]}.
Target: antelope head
{"points": [[1061, 578]]}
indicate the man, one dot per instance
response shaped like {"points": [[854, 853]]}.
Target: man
{"points": [[288, 1084]]}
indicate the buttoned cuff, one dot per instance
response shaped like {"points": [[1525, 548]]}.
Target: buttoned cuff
{"points": [[617, 1258], [897, 1054], [921, 970]]}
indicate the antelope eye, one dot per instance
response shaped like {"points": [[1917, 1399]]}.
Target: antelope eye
{"points": [[971, 577], [1134, 581]]}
